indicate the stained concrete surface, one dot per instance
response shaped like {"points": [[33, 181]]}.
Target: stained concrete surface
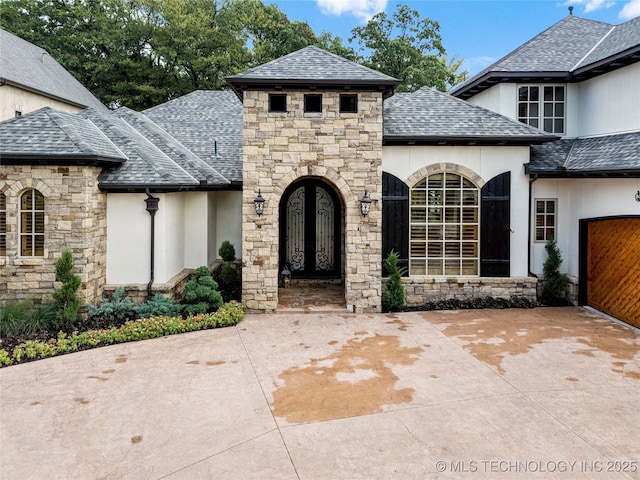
{"points": [[541, 393]]}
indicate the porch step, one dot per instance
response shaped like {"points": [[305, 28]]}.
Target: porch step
{"points": [[313, 296]]}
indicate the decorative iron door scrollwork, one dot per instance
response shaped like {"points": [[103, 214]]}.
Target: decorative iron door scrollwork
{"points": [[310, 230]]}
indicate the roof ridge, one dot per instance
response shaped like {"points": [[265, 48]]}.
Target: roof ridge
{"points": [[598, 43], [69, 129], [177, 145]]}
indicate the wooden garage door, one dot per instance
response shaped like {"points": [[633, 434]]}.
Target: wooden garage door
{"points": [[613, 268]]}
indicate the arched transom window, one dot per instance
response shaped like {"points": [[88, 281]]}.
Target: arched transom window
{"points": [[32, 224], [444, 226]]}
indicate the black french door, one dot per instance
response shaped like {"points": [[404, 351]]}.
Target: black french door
{"points": [[310, 230]]}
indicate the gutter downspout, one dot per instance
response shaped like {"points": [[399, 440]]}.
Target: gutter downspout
{"points": [[152, 208], [531, 182]]}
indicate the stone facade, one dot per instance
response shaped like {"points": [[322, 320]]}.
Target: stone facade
{"points": [[75, 218], [422, 290], [344, 150]]}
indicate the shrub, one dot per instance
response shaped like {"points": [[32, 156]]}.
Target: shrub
{"points": [[65, 299], [229, 314], [158, 306], [554, 283], [201, 293], [228, 275], [116, 309], [395, 294], [227, 251], [23, 317]]}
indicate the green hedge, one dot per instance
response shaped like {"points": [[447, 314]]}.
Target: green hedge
{"points": [[229, 314]]}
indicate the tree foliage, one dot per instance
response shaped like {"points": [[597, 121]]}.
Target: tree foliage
{"points": [[409, 48], [554, 283], [65, 298], [140, 53], [395, 294]]}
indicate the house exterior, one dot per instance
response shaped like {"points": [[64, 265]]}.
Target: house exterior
{"points": [[579, 80], [31, 79], [314, 164]]}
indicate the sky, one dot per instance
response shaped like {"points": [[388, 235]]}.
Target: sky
{"points": [[476, 31]]}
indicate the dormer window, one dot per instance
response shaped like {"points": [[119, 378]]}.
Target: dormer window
{"points": [[278, 103], [543, 107], [349, 103]]}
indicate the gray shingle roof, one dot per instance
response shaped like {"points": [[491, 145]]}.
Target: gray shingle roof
{"points": [[50, 133], [431, 116], [313, 64], [564, 51], [177, 152], [620, 38], [31, 67], [606, 154], [201, 118]]}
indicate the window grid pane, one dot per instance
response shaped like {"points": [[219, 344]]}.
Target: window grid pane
{"points": [[545, 220], [546, 110], [32, 224], [444, 226]]}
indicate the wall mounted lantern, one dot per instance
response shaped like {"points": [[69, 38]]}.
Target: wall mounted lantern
{"points": [[638, 196], [259, 204], [365, 204]]}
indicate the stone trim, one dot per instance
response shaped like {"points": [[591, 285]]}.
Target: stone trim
{"points": [[444, 167], [422, 290]]}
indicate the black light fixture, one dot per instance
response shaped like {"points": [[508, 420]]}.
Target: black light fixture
{"points": [[259, 203], [365, 204], [638, 196]]}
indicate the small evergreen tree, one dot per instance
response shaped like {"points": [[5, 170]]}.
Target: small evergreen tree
{"points": [[395, 294], [201, 293], [227, 251], [554, 283], [65, 299]]}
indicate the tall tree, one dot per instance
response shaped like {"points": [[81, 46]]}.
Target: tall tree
{"points": [[408, 48]]}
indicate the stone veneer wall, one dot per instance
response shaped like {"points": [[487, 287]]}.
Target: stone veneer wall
{"points": [[345, 150], [422, 290], [75, 218]]}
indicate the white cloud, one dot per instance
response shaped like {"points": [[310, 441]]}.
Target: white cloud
{"points": [[362, 9], [630, 10], [591, 5]]}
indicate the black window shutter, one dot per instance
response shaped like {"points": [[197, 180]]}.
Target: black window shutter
{"points": [[495, 227], [395, 218]]}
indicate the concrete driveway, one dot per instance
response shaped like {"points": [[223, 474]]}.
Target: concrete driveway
{"points": [[538, 394]]}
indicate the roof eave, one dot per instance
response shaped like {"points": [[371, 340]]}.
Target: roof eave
{"points": [[115, 187], [619, 60], [468, 140], [60, 160], [566, 173], [5, 81], [492, 78]]}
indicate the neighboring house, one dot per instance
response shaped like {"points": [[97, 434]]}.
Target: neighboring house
{"points": [[343, 171], [31, 79], [580, 80]]}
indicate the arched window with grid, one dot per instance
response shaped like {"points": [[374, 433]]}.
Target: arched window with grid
{"points": [[32, 224], [444, 226]]}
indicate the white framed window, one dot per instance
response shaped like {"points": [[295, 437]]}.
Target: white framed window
{"points": [[444, 224], [543, 107], [546, 219], [32, 224]]}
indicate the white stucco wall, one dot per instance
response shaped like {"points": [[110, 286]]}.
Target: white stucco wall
{"points": [[13, 97], [128, 239], [229, 220], [501, 98], [610, 103], [581, 199], [189, 229], [487, 162]]}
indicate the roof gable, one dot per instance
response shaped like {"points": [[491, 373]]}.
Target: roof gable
{"points": [[428, 116], [26, 65], [573, 49], [65, 137]]}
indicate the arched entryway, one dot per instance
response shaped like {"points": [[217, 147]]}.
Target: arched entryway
{"points": [[311, 230]]}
